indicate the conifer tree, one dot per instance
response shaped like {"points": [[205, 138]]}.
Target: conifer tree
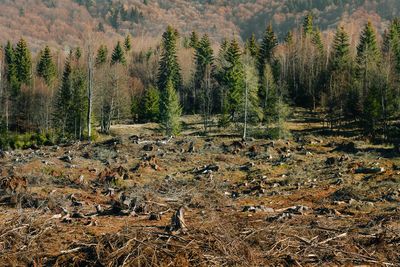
{"points": [[63, 115], [170, 110], [11, 70], [368, 63], [308, 24], [168, 67], [78, 101], [118, 55], [150, 107], [265, 57], [203, 77], [128, 43], [340, 75], [23, 62], [233, 79], [102, 54], [252, 46], [78, 53], [46, 67], [194, 40]]}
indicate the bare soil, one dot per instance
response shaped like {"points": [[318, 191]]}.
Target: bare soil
{"points": [[314, 200]]}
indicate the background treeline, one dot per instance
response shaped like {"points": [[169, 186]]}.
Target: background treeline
{"points": [[249, 85]]}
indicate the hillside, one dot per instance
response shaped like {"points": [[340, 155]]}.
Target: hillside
{"points": [[69, 22]]}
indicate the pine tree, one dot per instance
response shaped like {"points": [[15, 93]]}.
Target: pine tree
{"points": [[252, 46], [368, 63], [150, 110], [194, 40], [308, 24], [233, 79], [266, 56], [11, 70], [23, 62], [367, 49], [78, 101], [170, 110], [101, 57], [46, 67], [317, 41], [78, 54], [128, 43], [168, 67], [340, 57], [340, 75], [63, 115], [203, 76], [118, 55], [289, 39]]}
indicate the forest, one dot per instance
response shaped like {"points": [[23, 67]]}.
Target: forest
{"points": [[49, 98]]}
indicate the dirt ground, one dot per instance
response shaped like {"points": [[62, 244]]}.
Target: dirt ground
{"points": [[313, 200]]}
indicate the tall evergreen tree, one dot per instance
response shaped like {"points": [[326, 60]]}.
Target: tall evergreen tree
{"points": [[11, 69], [128, 43], [168, 67], [46, 67], [233, 80], [193, 40], [204, 59], [266, 56], [63, 115], [170, 110], [23, 62], [102, 54], [368, 63], [252, 46], [308, 24], [118, 55], [150, 106]]}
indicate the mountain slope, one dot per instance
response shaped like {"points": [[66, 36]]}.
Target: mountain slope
{"points": [[69, 22]]}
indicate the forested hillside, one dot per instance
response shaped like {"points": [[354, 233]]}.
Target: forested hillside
{"points": [[69, 22]]}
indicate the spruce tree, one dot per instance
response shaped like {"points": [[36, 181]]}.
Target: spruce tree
{"points": [[23, 62], [170, 110], [168, 66], [118, 55], [102, 54], [265, 57], [252, 46], [11, 70], [367, 49], [308, 24], [46, 67], [203, 76], [150, 107], [128, 43], [78, 53], [78, 101], [233, 79], [194, 40], [369, 74], [63, 115]]}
